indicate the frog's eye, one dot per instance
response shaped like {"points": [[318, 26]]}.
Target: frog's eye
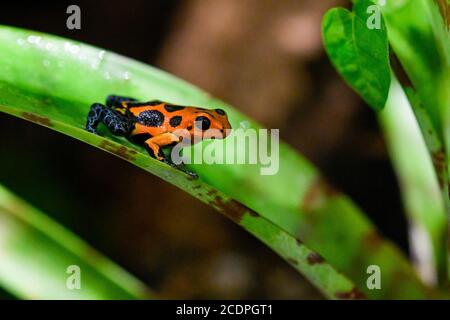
{"points": [[202, 123]]}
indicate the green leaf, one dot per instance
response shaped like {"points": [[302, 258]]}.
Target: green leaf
{"points": [[359, 53], [53, 81], [35, 253]]}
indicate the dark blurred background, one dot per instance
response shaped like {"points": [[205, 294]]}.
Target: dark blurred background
{"points": [[263, 56]]}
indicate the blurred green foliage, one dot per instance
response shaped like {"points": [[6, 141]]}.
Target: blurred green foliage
{"points": [[36, 252]]}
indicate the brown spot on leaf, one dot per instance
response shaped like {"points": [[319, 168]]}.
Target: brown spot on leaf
{"points": [[232, 209], [37, 119], [353, 294], [319, 191], [314, 258], [438, 158], [372, 240], [252, 213], [120, 151]]}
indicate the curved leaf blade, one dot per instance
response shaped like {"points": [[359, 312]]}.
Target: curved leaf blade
{"points": [[35, 253]]}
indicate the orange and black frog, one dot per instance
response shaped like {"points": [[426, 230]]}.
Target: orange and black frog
{"points": [[156, 124]]}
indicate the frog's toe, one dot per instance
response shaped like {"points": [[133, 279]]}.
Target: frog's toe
{"points": [[192, 174], [183, 168]]}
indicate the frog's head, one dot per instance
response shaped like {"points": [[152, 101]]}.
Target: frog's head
{"points": [[209, 124]]}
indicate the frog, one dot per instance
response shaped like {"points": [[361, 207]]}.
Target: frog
{"points": [[156, 124]]}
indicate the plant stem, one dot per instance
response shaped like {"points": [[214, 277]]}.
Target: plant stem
{"points": [[420, 189]]}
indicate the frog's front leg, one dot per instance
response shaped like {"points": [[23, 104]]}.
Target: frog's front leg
{"points": [[154, 144], [113, 120], [154, 147]]}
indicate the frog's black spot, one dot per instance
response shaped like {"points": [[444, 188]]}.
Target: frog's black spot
{"points": [[189, 128], [220, 111], [172, 108], [175, 121], [202, 123], [151, 118]]}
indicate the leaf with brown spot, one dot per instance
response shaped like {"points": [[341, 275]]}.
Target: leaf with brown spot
{"points": [[232, 209], [439, 163], [120, 151], [315, 258], [354, 294], [37, 119], [317, 195], [372, 240]]}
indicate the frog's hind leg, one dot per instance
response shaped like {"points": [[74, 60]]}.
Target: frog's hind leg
{"points": [[114, 101], [112, 119]]}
